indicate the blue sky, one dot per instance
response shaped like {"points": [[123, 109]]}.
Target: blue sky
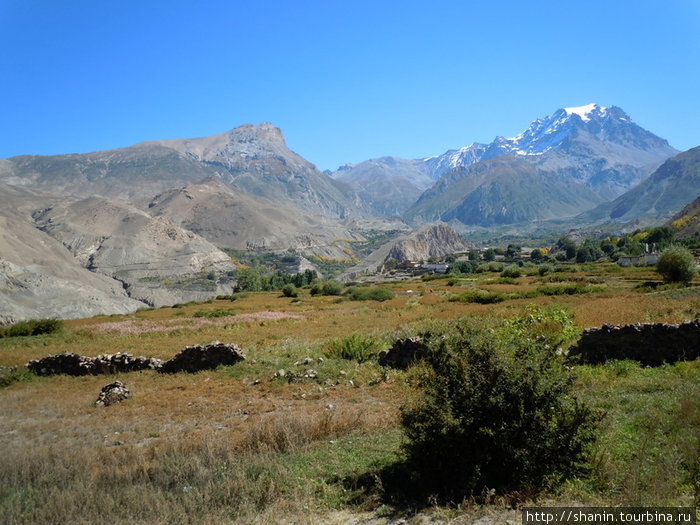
{"points": [[345, 81]]}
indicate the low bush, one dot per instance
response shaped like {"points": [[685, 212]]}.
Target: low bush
{"points": [[512, 272], [326, 287], [568, 289], [677, 264], [544, 269], [493, 414], [31, 327], [213, 313], [551, 325], [355, 347], [289, 290], [479, 296], [375, 293]]}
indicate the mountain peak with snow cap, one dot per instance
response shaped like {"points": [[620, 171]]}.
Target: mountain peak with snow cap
{"points": [[561, 129]]}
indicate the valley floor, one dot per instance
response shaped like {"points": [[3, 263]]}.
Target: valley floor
{"points": [[283, 439]]}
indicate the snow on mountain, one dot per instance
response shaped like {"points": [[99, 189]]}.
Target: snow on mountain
{"points": [[543, 135]]}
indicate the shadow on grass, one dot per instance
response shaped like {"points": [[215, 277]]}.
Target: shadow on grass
{"points": [[400, 489]]}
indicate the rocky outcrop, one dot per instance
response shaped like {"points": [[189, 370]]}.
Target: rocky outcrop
{"points": [[434, 240], [197, 357], [430, 240], [403, 353], [651, 344], [78, 365], [112, 393]]}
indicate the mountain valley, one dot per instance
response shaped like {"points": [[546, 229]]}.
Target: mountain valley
{"points": [[145, 225]]}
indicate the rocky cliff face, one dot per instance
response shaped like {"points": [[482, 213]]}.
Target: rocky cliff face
{"points": [[432, 240]]}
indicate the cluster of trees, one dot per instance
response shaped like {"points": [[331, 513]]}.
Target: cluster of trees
{"points": [[251, 280], [630, 244]]}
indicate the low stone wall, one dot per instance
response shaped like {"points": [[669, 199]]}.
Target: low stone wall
{"points": [[191, 359], [80, 365], [651, 344], [198, 357]]}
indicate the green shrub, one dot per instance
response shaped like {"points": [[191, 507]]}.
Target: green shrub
{"points": [[375, 293], [493, 414], [512, 271], [319, 287], [355, 347], [479, 296], [332, 288], [213, 313], [289, 290], [568, 289], [544, 269], [495, 267], [677, 264], [551, 325], [31, 327]]}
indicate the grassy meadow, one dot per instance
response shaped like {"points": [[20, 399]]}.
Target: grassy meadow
{"points": [[272, 441]]}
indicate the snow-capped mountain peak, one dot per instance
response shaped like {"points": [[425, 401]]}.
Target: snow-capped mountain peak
{"points": [[586, 111], [543, 135]]}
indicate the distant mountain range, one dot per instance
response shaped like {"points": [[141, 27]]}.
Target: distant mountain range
{"points": [[562, 165], [110, 231]]}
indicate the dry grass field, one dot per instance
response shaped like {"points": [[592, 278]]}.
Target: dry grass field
{"points": [[241, 445]]}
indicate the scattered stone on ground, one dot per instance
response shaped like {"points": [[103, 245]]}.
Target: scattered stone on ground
{"points": [[403, 353], [112, 393], [651, 344], [197, 357], [78, 365]]}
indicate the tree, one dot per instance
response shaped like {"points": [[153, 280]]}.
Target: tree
{"points": [[536, 255], [513, 251], [490, 254], [249, 279], [568, 246], [677, 264]]}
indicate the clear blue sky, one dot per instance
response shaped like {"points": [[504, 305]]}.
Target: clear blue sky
{"points": [[344, 80]]}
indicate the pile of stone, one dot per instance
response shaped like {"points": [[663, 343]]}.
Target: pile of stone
{"points": [[78, 365], [651, 344], [112, 393], [197, 357], [403, 353]]}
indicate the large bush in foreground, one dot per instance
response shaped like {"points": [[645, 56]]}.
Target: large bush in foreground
{"points": [[493, 414], [676, 264]]}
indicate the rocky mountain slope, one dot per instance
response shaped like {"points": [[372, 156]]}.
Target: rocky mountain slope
{"points": [[503, 190], [251, 158], [157, 261], [388, 185], [236, 219], [134, 215], [39, 277], [687, 221], [673, 185]]}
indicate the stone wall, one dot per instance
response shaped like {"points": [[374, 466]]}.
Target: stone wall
{"points": [[191, 359], [651, 344], [80, 365]]}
